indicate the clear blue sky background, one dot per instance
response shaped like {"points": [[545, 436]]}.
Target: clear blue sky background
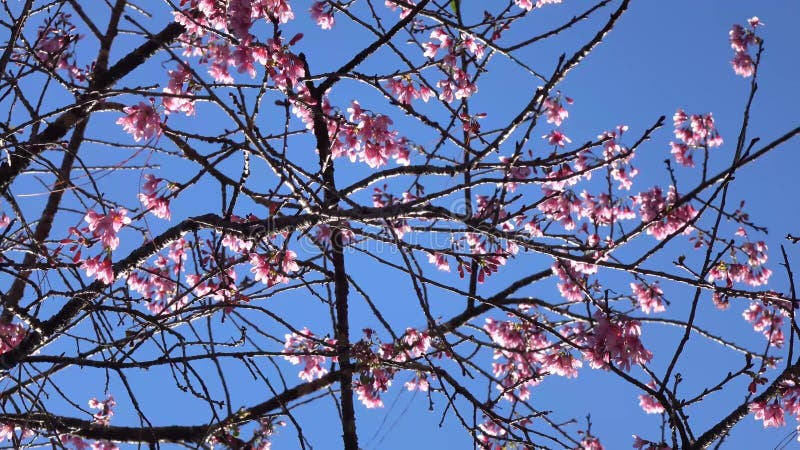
{"points": [[662, 56]]}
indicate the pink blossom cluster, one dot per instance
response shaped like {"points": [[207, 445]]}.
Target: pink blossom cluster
{"points": [[106, 411], [418, 383], [152, 201], [53, 46], [492, 435], [528, 5], [371, 384], [405, 91], [10, 336], [458, 85], [650, 404], [323, 16], [514, 172], [7, 433], [527, 356], [772, 412], [142, 121], [106, 226], [490, 261], [590, 443], [323, 233], [404, 10], [619, 157], [603, 209], [157, 284], [559, 205], [283, 67], [753, 273], [440, 261], [766, 320], [274, 269], [649, 297], [102, 270], [306, 349], [554, 110], [660, 214], [178, 95], [695, 131], [741, 39], [236, 16], [614, 340], [367, 137], [573, 278]]}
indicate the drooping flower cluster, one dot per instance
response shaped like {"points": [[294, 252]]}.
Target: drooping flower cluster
{"points": [[156, 204], [366, 137], [650, 404], [142, 121], [178, 96], [528, 5], [275, 268], [573, 276], [323, 16], [458, 84], [661, 215], [312, 352], [766, 320], [10, 336], [528, 356], [741, 39], [615, 340], [8, 432], [693, 132], [106, 411], [772, 412], [753, 273], [649, 297], [55, 46]]}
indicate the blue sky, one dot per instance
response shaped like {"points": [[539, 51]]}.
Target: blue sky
{"points": [[662, 56]]}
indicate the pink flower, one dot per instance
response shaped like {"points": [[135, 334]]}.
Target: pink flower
{"points": [[650, 404], [440, 261], [306, 349], [660, 215], [558, 138], [772, 414], [591, 443], [106, 227], [141, 121], [101, 270], [554, 111], [103, 417], [239, 18], [324, 19], [4, 220], [178, 98], [158, 205], [650, 297], [741, 39], [10, 337], [76, 442], [743, 64]]}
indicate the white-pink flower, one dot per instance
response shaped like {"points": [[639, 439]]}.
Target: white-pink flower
{"points": [[142, 121]]}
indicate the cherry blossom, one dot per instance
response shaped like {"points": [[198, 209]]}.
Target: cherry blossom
{"points": [[106, 226], [770, 413], [304, 348], [142, 121], [102, 270]]}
